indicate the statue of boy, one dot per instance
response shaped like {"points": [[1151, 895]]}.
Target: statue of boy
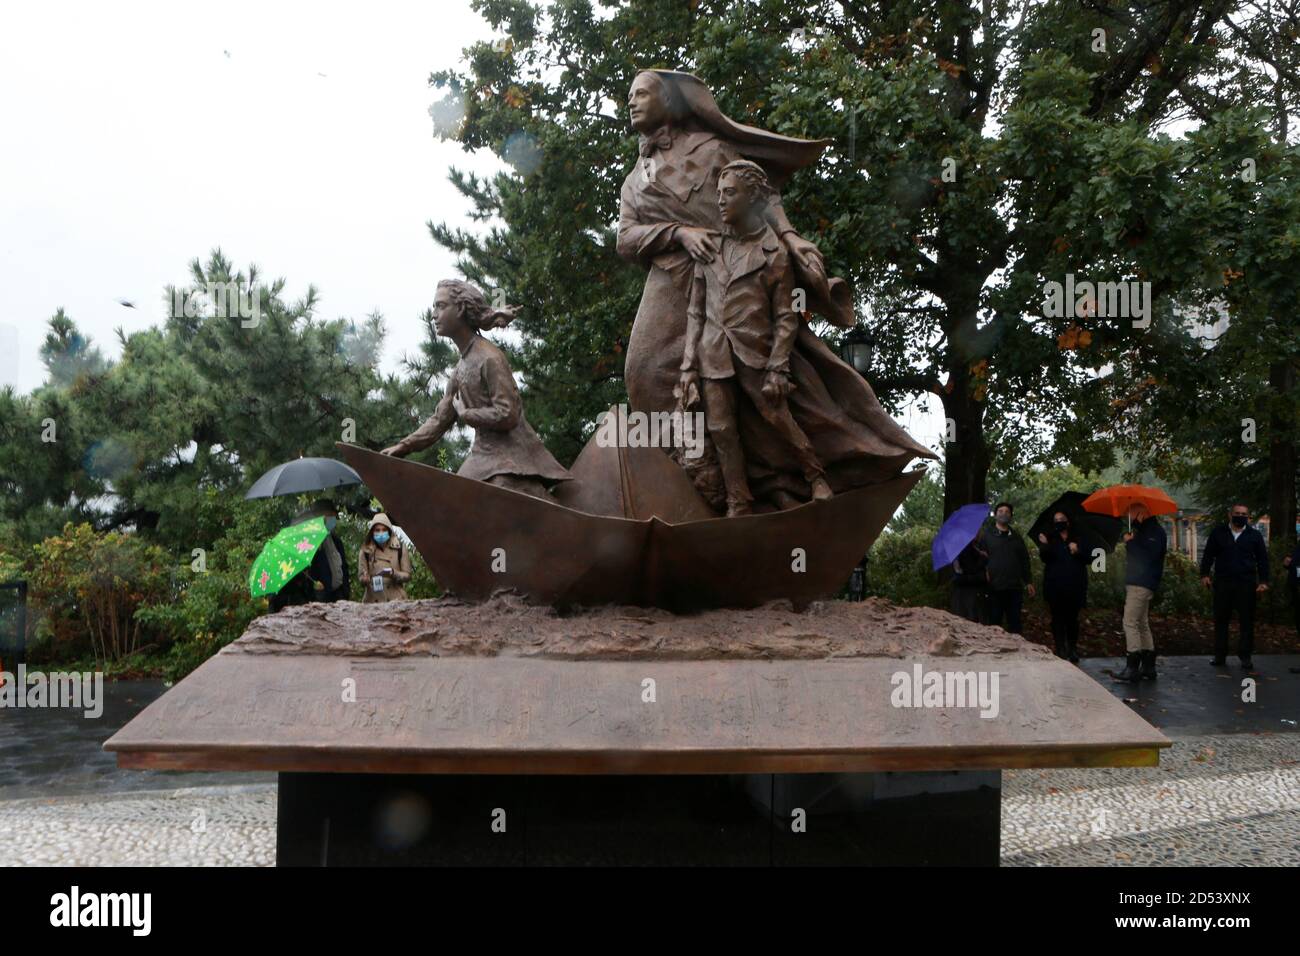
{"points": [[740, 328], [482, 394]]}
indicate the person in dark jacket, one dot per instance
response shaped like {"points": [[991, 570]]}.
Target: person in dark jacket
{"points": [[1238, 556], [1292, 564], [328, 577], [970, 575], [1008, 570], [1065, 583], [1144, 545]]}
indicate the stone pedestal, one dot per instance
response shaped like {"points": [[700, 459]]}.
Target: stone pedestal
{"points": [[626, 735]]}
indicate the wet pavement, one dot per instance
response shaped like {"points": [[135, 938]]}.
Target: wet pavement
{"points": [[1190, 697], [1226, 793], [50, 752]]}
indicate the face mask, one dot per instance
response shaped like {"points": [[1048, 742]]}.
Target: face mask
{"points": [[1003, 519], [381, 537], [1061, 525], [1239, 521], [330, 523]]}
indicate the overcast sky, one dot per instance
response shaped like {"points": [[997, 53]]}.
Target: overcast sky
{"points": [[294, 136]]}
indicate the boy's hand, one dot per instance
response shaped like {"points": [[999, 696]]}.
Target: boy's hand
{"points": [[777, 385], [688, 389]]}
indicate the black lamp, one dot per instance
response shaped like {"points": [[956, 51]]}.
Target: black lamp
{"points": [[858, 349]]}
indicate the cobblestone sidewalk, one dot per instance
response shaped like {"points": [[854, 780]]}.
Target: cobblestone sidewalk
{"points": [[1214, 800]]}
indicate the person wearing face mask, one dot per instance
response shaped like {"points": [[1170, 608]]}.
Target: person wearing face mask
{"points": [[1145, 544], [1065, 583], [1008, 570], [1238, 556], [329, 571], [383, 564]]}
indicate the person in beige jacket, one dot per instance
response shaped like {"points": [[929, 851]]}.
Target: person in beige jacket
{"points": [[384, 564]]}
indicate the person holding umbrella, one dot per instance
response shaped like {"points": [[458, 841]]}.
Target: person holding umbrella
{"points": [[1144, 545], [959, 546], [329, 575], [1065, 583], [1094, 534], [1008, 570], [1239, 558]]}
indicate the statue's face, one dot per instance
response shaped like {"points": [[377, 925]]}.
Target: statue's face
{"points": [[735, 200], [448, 314], [647, 103]]}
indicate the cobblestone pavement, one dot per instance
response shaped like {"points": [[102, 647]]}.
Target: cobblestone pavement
{"points": [[1218, 800], [199, 826], [1214, 800]]}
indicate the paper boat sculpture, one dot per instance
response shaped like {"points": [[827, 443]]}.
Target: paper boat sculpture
{"points": [[629, 529]]}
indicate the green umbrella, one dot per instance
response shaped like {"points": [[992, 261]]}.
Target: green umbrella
{"points": [[285, 555]]}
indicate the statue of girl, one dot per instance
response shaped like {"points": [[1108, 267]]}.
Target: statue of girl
{"points": [[482, 394]]}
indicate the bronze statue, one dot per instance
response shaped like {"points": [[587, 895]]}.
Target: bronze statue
{"points": [[669, 221], [739, 331], [482, 394]]}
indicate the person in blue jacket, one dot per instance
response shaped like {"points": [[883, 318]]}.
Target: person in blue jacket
{"points": [[1144, 545]]}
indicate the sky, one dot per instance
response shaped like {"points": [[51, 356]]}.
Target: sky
{"points": [[294, 136]]}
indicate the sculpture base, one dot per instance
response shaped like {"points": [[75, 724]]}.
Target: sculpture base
{"points": [[873, 819]]}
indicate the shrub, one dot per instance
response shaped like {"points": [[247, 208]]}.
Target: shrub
{"points": [[88, 586], [899, 569]]}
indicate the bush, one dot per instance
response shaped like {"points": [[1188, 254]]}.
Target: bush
{"points": [[899, 569], [210, 605], [86, 588]]}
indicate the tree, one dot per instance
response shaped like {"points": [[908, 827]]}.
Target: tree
{"points": [[980, 151]]}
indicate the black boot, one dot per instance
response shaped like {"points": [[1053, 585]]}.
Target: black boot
{"points": [[1148, 665], [1071, 652], [1131, 672]]}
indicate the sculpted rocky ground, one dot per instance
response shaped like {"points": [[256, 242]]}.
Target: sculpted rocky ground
{"points": [[506, 626]]}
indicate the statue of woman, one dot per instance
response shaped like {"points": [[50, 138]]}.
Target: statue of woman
{"points": [[668, 220]]}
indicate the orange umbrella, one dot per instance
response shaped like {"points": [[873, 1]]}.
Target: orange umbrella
{"points": [[1117, 499]]}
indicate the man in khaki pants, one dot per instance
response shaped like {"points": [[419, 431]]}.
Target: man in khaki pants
{"points": [[1145, 546]]}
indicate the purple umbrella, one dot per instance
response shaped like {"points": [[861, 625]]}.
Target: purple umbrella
{"points": [[957, 532]]}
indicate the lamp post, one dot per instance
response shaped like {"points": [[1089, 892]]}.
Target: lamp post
{"points": [[858, 348]]}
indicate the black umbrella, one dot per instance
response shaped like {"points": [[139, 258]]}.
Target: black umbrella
{"points": [[303, 474], [1093, 530]]}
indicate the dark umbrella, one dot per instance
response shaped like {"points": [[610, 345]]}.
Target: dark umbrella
{"points": [[303, 474], [1093, 530]]}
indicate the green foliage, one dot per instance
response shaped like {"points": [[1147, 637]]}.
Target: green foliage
{"points": [[1061, 165], [899, 569], [923, 507], [84, 584]]}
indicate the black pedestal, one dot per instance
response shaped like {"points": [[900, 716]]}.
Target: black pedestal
{"points": [[948, 818]]}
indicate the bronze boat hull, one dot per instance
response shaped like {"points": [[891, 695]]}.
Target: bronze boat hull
{"points": [[478, 538]]}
